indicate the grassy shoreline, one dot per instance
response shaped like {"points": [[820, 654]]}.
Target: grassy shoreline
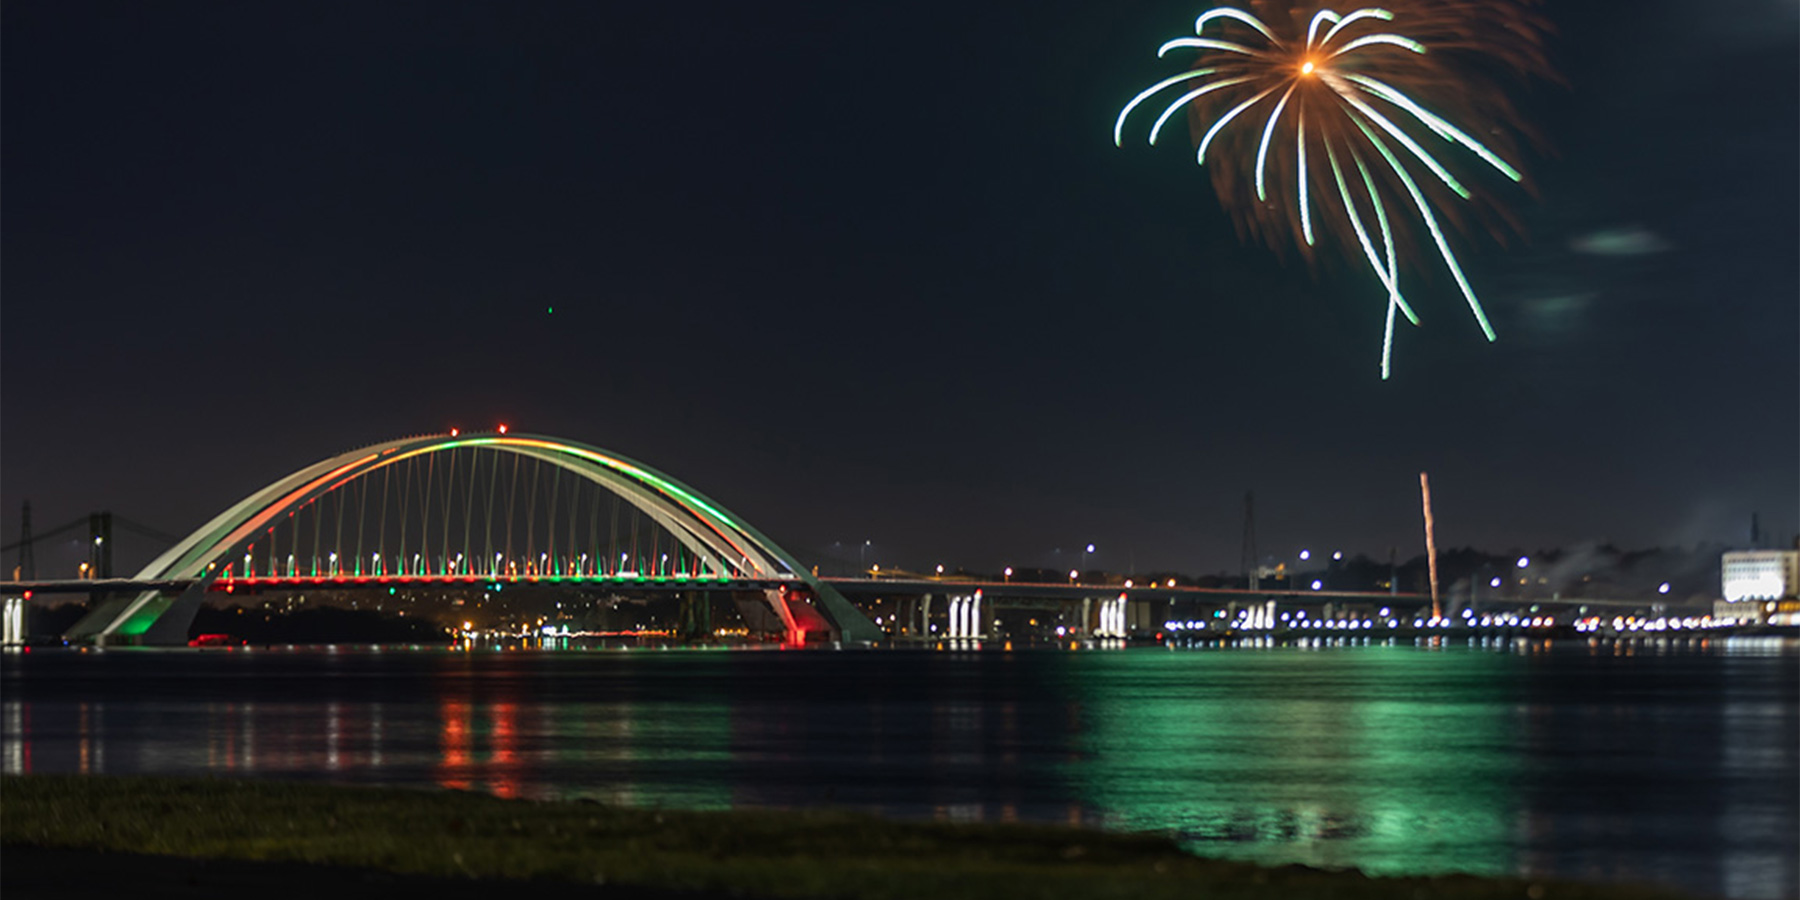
{"points": [[766, 853]]}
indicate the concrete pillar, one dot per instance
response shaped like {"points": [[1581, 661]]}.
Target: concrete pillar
{"points": [[16, 621]]}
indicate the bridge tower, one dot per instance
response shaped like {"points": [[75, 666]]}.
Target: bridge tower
{"points": [[1249, 561], [100, 544], [27, 569]]}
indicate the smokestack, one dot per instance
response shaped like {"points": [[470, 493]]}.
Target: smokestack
{"points": [[1437, 610]]}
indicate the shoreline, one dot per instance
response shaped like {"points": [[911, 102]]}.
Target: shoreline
{"points": [[96, 831]]}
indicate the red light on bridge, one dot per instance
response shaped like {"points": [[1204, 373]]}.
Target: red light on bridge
{"points": [[455, 431], [503, 429]]}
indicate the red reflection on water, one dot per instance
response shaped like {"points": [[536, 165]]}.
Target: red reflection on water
{"points": [[84, 750], [221, 746], [455, 740], [504, 767]]}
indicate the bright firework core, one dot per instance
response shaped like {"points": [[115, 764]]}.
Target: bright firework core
{"points": [[1306, 68]]}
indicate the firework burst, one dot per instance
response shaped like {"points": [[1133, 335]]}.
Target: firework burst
{"points": [[1320, 122]]}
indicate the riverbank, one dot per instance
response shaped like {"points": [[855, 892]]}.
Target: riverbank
{"points": [[311, 837]]}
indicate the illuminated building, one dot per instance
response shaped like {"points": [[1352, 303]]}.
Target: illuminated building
{"points": [[1756, 582]]}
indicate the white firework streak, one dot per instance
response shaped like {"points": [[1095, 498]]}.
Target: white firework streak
{"points": [[1387, 240], [1437, 234], [1340, 23], [1351, 89], [1185, 98], [1389, 276], [1262, 151]]}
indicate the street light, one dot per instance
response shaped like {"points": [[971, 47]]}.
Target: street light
{"points": [[1084, 555], [1073, 574], [1009, 573]]}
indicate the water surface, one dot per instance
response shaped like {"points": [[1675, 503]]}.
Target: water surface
{"points": [[1676, 763]]}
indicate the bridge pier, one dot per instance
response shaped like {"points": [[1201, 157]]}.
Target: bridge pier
{"points": [[696, 615], [965, 616], [15, 621]]}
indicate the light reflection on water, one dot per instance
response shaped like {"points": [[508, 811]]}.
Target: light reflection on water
{"points": [[1667, 762]]}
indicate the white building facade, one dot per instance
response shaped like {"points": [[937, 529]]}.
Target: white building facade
{"points": [[1755, 583]]}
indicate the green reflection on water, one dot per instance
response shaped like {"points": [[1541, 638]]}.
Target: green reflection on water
{"points": [[643, 744], [1394, 759]]}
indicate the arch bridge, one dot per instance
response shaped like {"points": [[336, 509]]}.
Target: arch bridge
{"points": [[471, 509]]}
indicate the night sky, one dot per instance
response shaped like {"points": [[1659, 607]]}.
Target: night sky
{"points": [[875, 272]]}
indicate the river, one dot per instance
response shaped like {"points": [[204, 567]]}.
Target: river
{"points": [[1674, 762]]}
